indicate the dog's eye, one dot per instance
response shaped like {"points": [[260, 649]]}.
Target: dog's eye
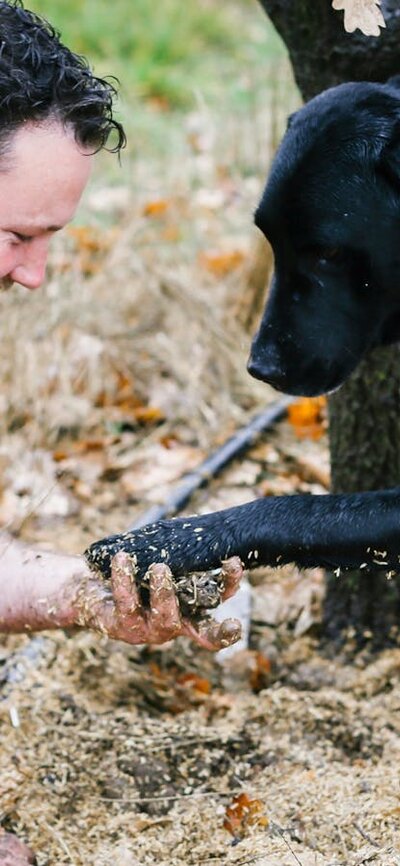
{"points": [[329, 254], [317, 257]]}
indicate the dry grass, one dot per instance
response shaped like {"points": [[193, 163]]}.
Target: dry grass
{"points": [[114, 762]]}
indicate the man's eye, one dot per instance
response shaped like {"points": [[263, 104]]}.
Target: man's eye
{"points": [[23, 238], [20, 238]]}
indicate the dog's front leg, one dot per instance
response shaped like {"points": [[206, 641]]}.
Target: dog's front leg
{"points": [[345, 531]]}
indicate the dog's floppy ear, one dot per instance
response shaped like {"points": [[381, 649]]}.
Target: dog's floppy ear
{"points": [[394, 81], [389, 162], [292, 117]]}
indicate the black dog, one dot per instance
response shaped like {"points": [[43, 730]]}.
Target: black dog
{"points": [[331, 210]]}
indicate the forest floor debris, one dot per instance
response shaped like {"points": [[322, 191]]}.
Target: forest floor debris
{"points": [[131, 756]]}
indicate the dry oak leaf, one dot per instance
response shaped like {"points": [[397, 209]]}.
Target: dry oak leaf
{"points": [[242, 814], [364, 15], [156, 207], [222, 264], [307, 416]]}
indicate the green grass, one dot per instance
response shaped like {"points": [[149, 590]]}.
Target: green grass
{"points": [[220, 59], [170, 50]]}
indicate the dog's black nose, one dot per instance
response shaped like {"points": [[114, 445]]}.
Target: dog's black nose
{"points": [[267, 372]]}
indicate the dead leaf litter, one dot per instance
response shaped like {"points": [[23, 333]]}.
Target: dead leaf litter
{"points": [[128, 755]]}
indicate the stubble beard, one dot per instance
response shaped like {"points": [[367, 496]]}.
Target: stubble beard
{"points": [[6, 284]]}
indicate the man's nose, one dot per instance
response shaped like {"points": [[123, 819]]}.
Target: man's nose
{"points": [[31, 267]]}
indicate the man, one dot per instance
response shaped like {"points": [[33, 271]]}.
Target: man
{"points": [[54, 116]]}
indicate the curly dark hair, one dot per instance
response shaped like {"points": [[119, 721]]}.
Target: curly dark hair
{"points": [[42, 79]]}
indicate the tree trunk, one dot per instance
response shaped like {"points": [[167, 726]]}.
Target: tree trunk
{"points": [[364, 415], [365, 425], [323, 54]]}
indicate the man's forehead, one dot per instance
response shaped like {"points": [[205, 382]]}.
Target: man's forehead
{"points": [[46, 173]]}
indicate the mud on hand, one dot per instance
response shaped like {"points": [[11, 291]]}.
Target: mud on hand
{"points": [[196, 591]]}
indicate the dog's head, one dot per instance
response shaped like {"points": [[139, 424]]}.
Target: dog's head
{"points": [[331, 211]]}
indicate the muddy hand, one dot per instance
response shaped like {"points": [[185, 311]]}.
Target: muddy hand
{"points": [[232, 573], [162, 621], [13, 852], [207, 632], [121, 615]]}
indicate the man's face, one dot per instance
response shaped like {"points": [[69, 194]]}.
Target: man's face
{"points": [[42, 178]]}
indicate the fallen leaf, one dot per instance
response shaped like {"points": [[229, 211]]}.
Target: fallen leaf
{"points": [[194, 682], [242, 814], [148, 414], [311, 470], [307, 417], [154, 466], [156, 208], [122, 396], [83, 446], [91, 244], [221, 264], [279, 486], [171, 690], [261, 672], [364, 15]]}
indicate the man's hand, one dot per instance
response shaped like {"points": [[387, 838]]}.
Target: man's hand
{"points": [[13, 852], [43, 590], [119, 613]]}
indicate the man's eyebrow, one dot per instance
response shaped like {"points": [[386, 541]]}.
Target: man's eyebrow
{"points": [[33, 229]]}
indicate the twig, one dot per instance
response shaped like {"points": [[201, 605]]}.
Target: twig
{"points": [[246, 862], [61, 841], [29, 513], [365, 835], [160, 797], [288, 845]]}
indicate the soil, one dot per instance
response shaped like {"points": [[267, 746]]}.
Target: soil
{"points": [[280, 755]]}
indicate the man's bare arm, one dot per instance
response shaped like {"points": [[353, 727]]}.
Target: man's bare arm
{"points": [[42, 590], [36, 587]]}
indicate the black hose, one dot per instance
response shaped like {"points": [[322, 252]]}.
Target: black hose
{"points": [[235, 445]]}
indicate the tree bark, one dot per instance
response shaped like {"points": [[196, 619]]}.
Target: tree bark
{"points": [[323, 54], [365, 425], [364, 415]]}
